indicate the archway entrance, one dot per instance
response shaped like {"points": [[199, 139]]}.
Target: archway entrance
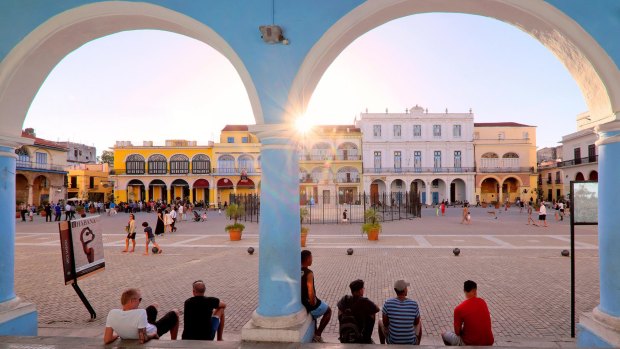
{"points": [[489, 190], [135, 190], [158, 191], [200, 191], [458, 190]]}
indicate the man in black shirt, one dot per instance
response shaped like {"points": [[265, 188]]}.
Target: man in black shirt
{"points": [[203, 316], [362, 309]]}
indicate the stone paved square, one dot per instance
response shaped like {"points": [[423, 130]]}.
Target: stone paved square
{"points": [[518, 268]]}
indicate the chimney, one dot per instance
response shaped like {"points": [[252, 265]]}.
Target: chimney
{"points": [[30, 131]]}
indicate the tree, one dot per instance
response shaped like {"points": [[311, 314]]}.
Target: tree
{"points": [[107, 157]]}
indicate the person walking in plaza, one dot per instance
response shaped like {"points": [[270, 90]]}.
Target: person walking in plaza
{"points": [[472, 320], [203, 317], [529, 215], [357, 315], [131, 233], [443, 208], [48, 212], [182, 212], [401, 322], [150, 237], [130, 322], [542, 214], [561, 208], [167, 221], [314, 306], [173, 217], [466, 215], [159, 227]]}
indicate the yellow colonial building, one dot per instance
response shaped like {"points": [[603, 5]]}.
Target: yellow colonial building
{"points": [[89, 182], [182, 169], [505, 155], [330, 164]]}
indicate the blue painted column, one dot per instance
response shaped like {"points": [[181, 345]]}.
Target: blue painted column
{"points": [[280, 315], [16, 317], [601, 328]]}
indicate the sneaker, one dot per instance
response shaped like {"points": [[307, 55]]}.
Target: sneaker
{"points": [[318, 339]]}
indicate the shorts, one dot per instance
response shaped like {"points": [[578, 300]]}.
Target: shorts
{"points": [[152, 239], [319, 311], [215, 324], [542, 217], [131, 236], [562, 210], [165, 324], [452, 339]]}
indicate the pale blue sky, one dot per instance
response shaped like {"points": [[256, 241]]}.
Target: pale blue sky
{"points": [[152, 85]]}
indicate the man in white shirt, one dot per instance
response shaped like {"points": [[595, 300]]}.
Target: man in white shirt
{"points": [[182, 212], [173, 215], [132, 323]]}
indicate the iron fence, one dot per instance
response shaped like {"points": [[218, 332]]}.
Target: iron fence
{"points": [[333, 209]]}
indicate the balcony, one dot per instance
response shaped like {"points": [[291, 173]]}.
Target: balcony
{"points": [[580, 161], [558, 181], [33, 166], [308, 179], [421, 170], [215, 171], [549, 181], [348, 180], [506, 169], [319, 157]]}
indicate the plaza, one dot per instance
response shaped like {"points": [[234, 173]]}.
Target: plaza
{"points": [[518, 268]]}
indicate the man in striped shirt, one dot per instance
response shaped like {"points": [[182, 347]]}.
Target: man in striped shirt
{"points": [[400, 323]]}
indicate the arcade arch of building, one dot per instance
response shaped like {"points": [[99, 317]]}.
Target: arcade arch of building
{"points": [[31, 58]]}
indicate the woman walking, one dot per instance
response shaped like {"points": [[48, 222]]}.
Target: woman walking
{"points": [[159, 227], [466, 215], [131, 233], [529, 215], [168, 221]]}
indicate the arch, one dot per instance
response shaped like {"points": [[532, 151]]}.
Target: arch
{"points": [[348, 174], [511, 189], [348, 151], [593, 176], [510, 155], [590, 66], [158, 190], [224, 183], [517, 179], [246, 162], [321, 151], [378, 193], [179, 182], [157, 164], [158, 182], [201, 183], [489, 189], [21, 189], [322, 174], [179, 164], [29, 63], [226, 164], [246, 183], [135, 182], [201, 164], [135, 164], [579, 176], [458, 190], [398, 185], [490, 155], [179, 189]]}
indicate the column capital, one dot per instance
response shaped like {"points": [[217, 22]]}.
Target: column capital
{"points": [[608, 133], [14, 142], [278, 131]]}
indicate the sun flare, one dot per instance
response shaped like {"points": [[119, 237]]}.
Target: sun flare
{"points": [[304, 124]]}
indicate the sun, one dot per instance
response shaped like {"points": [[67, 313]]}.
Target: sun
{"points": [[304, 124]]}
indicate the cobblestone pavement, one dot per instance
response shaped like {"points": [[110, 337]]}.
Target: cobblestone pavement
{"points": [[518, 269]]}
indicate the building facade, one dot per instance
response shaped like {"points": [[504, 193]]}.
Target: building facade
{"points": [[90, 182], [80, 153], [182, 169], [330, 165], [41, 174], [429, 153], [505, 162]]}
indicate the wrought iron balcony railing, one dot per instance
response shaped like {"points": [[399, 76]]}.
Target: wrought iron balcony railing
{"points": [[420, 170], [580, 161], [28, 165]]}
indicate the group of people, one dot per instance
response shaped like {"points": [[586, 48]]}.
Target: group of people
{"points": [[203, 318], [400, 321]]}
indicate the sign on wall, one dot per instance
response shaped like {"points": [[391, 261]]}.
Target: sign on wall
{"points": [[81, 244]]}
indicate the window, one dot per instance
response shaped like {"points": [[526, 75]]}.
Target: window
{"points": [[591, 153], [456, 131], [91, 182], [80, 153], [135, 164], [377, 159], [397, 160], [549, 178], [437, 131], [158, 164], [179, 164], [437, 159], [417, 160], [244, 139], [376, 131], [201, 164], [396, 131], [577, 153], [457, 159], [435, 183], [41, 158], [246, 163], [226, 164], [558, 178], [417, 131], [230, 140], [74, 182], [501, 136], [75, 153]]}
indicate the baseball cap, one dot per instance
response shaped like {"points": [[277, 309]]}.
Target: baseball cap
{"points": [[356, 285], [401, 285]]}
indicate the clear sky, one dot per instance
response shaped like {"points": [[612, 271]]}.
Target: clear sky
{"points": [[153, 85]]}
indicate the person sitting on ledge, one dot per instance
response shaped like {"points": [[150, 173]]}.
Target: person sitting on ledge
{"points": [[130, 322]]}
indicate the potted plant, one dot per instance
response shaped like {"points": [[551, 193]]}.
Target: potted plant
{"points": [[234, 212], [372, 227], [495, 203], [484, 204], [303, 213], [79, 210]]}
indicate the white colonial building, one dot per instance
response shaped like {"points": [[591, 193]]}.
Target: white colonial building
{"points": [[430, 153], [580, 153]]}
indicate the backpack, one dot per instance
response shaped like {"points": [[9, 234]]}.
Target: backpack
{"points": [[349, 329]]}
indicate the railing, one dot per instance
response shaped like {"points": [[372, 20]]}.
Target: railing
{"points": [[347, 180], [28, 165], [420, 170], [558, 181], [549, 181], [506, 169], [308, 180], [586, 160], [340, 157], [215, 171]]}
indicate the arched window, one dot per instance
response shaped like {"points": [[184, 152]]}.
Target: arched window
{"points": [[158, 164], [134, 164], [201, 164], [489, 156], [348, 151], [348, 175], [179, 164], [226, 164], [511, 156], [246, 163], [321, 151]]}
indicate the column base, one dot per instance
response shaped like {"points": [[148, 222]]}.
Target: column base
{"points": [[598, 329], [18, 318], [296, 328]]}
